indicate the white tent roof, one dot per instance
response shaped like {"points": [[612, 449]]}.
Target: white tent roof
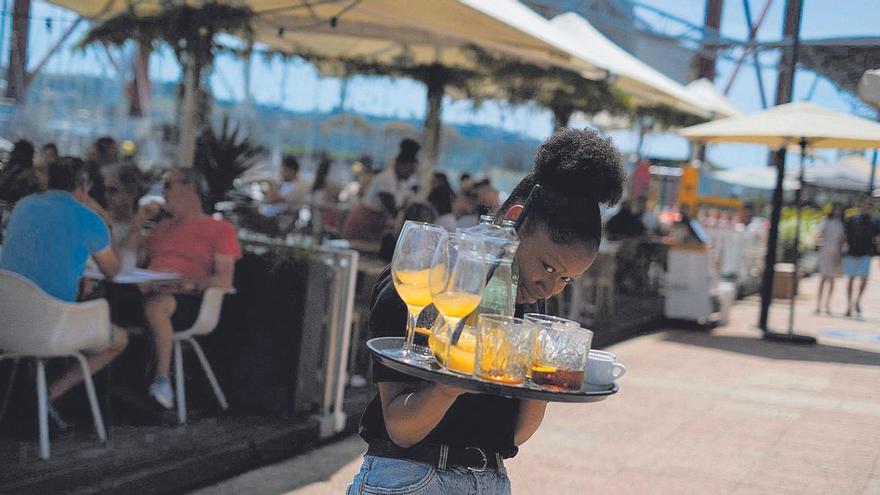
{"points": [[705, 92], [400, 32], [869, 87], [789, 123], [850, 173], [643, 82], [754, 178]]}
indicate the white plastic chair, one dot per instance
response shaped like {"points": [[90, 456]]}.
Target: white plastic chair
{"points": [[39, 326], [206, 322]]}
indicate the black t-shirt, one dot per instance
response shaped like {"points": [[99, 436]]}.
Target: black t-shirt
{"points": [[473, 420], [860, 233]]}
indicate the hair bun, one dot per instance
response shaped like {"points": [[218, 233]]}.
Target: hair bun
{"points": [[581, 163]]}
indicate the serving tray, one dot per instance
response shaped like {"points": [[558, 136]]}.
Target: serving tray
{"points": [[383, 347]]}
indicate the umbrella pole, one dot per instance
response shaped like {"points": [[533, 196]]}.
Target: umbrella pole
{"points": [[873, 173], [791, 336], [772, 241]]}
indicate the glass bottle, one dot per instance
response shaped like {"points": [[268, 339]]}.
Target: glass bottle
{"points": [[501, 241], [499, 295]]}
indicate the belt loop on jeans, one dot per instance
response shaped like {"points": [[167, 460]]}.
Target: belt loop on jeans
{"points": [[444, 454]]}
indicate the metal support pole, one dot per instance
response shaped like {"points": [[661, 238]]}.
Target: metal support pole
{"points": [[772, 240], [350, 263], [791, 336], [784, 90], [873, 175]]}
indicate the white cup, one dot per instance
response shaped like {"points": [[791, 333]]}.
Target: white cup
{"points": [[596, 352], [602, 369]]}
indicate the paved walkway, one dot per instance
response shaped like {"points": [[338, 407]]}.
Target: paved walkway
{"points": [[698, 413]]}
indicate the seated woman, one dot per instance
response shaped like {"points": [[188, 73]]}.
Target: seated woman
{"points": [[18, 178], [429, 438], [388, 192], [124, 185], [441, 198], [419, 212], [289, 195]]}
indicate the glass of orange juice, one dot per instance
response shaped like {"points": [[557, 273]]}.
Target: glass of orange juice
{"points": [[457, 285], [503, 349], [411, 265]]}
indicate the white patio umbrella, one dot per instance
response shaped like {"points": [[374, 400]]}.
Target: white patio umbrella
{"points": [[802, 123]]}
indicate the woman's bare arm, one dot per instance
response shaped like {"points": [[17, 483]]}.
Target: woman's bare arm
{"points": [[531, 413], [412, 410]]}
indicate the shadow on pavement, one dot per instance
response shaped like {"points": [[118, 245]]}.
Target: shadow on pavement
{"points": [[775, 350], [298, 473]]}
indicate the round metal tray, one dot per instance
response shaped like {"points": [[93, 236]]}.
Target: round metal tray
{"points": [[382, 347]]}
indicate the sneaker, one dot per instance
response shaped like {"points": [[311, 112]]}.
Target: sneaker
{"points": [[160, 390]]}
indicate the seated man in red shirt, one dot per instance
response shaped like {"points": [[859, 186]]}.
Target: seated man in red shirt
{"points": [[196, 246]]}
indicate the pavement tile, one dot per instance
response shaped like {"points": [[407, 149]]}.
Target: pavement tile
{"points": [[806, 477], [632, 482], [872, 487], [761, 490]]}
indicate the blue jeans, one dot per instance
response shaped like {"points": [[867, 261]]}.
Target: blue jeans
{"points": [[386, 476]]}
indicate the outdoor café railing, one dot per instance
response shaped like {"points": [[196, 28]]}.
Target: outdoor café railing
{"points": [[321, 372]]}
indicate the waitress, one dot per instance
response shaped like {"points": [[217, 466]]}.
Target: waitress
{"points": [[387, 193], [428, 438]]}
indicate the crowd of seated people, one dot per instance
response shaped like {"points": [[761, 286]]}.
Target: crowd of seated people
{"points": [[56, 227], [367, 211]]}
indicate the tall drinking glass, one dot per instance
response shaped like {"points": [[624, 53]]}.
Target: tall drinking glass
{"points": [[457, 283], [410, 270]]}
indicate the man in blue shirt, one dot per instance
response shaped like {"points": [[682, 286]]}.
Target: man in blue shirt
{"points": [[48, 240], [862, 242]]}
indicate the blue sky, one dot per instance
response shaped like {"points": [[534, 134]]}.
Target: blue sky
{"points": [[304, 90]]}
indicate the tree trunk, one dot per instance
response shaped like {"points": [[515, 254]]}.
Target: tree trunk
{"points": [[186, 148], [435, 81], [248, 93], [139, 96], [561, 117], [18, 49]]}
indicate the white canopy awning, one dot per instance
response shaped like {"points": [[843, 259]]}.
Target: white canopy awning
{"points": [[763, 178], [644, 83], [869, 88], [850, 173], [706, 93], [401, 32]]}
